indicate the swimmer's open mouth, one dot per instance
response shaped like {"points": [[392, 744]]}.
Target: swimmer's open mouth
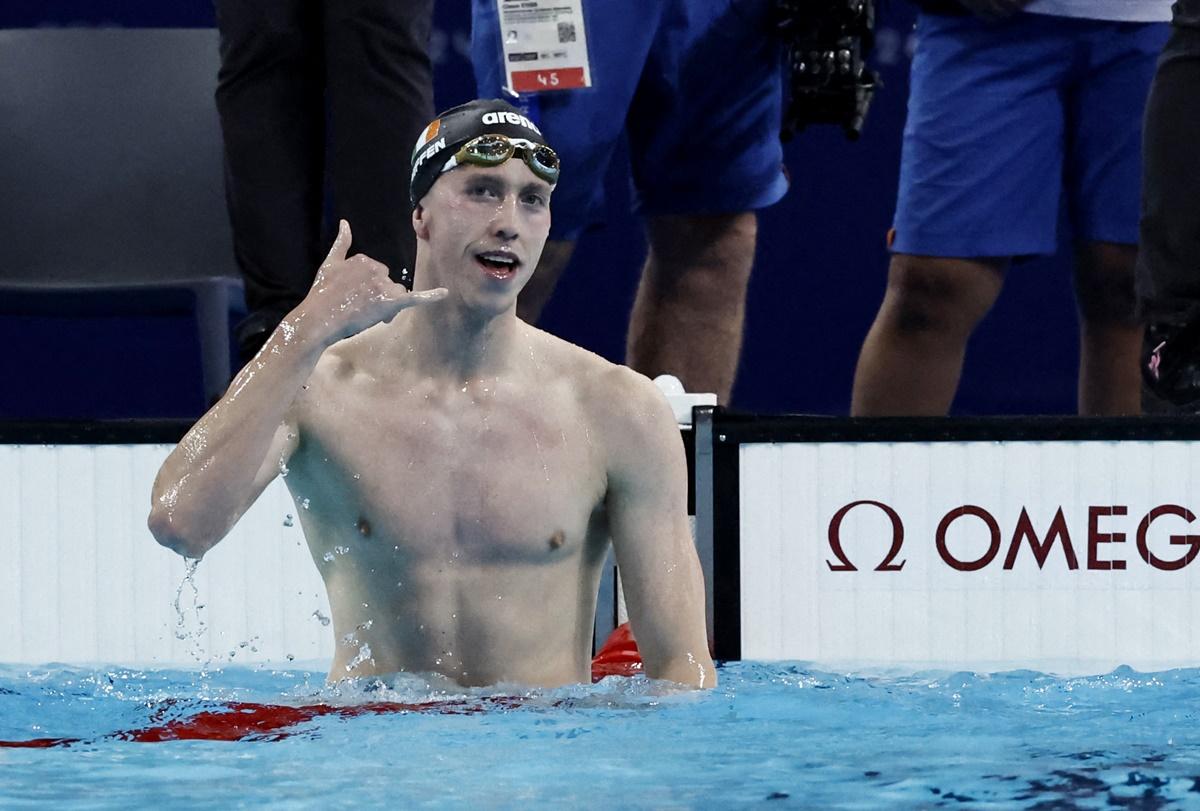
{"points": [[498, 264]]}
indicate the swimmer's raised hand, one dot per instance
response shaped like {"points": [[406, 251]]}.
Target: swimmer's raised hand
{"points": [[353, 293]]}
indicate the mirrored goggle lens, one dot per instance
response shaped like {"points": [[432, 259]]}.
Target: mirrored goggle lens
{"points": [[546, 158], [544, 162], [490, 149]]}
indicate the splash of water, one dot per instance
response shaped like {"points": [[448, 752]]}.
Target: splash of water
{"points": [[363, 655], [191, 630]]}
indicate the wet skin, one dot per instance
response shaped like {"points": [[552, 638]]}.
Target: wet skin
{"points": [[463, 471], [485, 516]]}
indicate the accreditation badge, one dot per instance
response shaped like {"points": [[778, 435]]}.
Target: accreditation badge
{"points": [[545, 45]]}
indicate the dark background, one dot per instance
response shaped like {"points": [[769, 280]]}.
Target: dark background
{"points": [[821, 265]]}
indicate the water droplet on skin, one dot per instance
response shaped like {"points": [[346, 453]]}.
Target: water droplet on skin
{"points": [[287, 520], [327, 557], [357, 476], [341, 550], [304, 504]]}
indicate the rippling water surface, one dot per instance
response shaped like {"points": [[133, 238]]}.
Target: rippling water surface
{"points": [[775, 735]]}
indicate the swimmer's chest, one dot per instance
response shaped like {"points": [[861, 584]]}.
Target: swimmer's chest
{"points": [[491, 482]]}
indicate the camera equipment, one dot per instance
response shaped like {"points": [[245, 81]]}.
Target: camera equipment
{"points": [[827, 43]]}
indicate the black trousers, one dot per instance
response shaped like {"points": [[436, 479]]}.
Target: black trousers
{"points": [[316, 92], [1168, 268]]}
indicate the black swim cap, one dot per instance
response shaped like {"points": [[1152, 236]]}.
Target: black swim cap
{"points": [[453, 128]]}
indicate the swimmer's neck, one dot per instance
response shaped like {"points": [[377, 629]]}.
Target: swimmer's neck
{"points": [[447, 340]]}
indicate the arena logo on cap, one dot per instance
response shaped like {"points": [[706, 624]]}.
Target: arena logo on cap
{"points": [[505, 117]]}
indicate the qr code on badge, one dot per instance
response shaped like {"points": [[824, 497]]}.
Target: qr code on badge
{"points": [[566, 32]]}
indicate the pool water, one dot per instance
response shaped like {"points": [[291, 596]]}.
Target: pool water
{"points": [[771, 735]]}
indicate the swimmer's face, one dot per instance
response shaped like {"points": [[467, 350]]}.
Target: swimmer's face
{"points": [[484, 228]]}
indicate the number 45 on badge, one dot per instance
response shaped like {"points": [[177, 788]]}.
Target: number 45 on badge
{"points": [[544, 45]]}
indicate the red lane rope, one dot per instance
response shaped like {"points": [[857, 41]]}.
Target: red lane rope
{"points": [[243, 720]]}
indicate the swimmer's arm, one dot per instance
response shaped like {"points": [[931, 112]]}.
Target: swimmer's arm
{"points": [[647, 508], [236, 449], [229, 457]]}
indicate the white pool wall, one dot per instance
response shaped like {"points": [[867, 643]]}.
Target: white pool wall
{"points": [[82, 580], [929, 614]]}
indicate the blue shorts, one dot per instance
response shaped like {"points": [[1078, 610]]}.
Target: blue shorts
{"points": [[696, 85], [1003, 118]]}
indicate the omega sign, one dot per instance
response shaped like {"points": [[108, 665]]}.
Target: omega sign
{"points": [[1066, 542]]}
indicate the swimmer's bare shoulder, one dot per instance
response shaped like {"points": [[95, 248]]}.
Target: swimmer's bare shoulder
{"points": [[646, 502], [625, 407], [339, 367]]}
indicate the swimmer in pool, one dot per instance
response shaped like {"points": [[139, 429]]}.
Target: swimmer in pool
{"points": [[460, 473]]}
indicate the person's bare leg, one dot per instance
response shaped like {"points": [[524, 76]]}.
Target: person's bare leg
{"points": [[912, 358], [1110, 337], [540, 287], [691, 302]]}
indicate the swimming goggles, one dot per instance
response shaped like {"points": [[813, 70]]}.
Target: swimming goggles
{"points": [[495, 149]]}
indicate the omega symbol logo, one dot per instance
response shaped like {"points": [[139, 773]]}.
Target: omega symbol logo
{"points": [[835, 539]]}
